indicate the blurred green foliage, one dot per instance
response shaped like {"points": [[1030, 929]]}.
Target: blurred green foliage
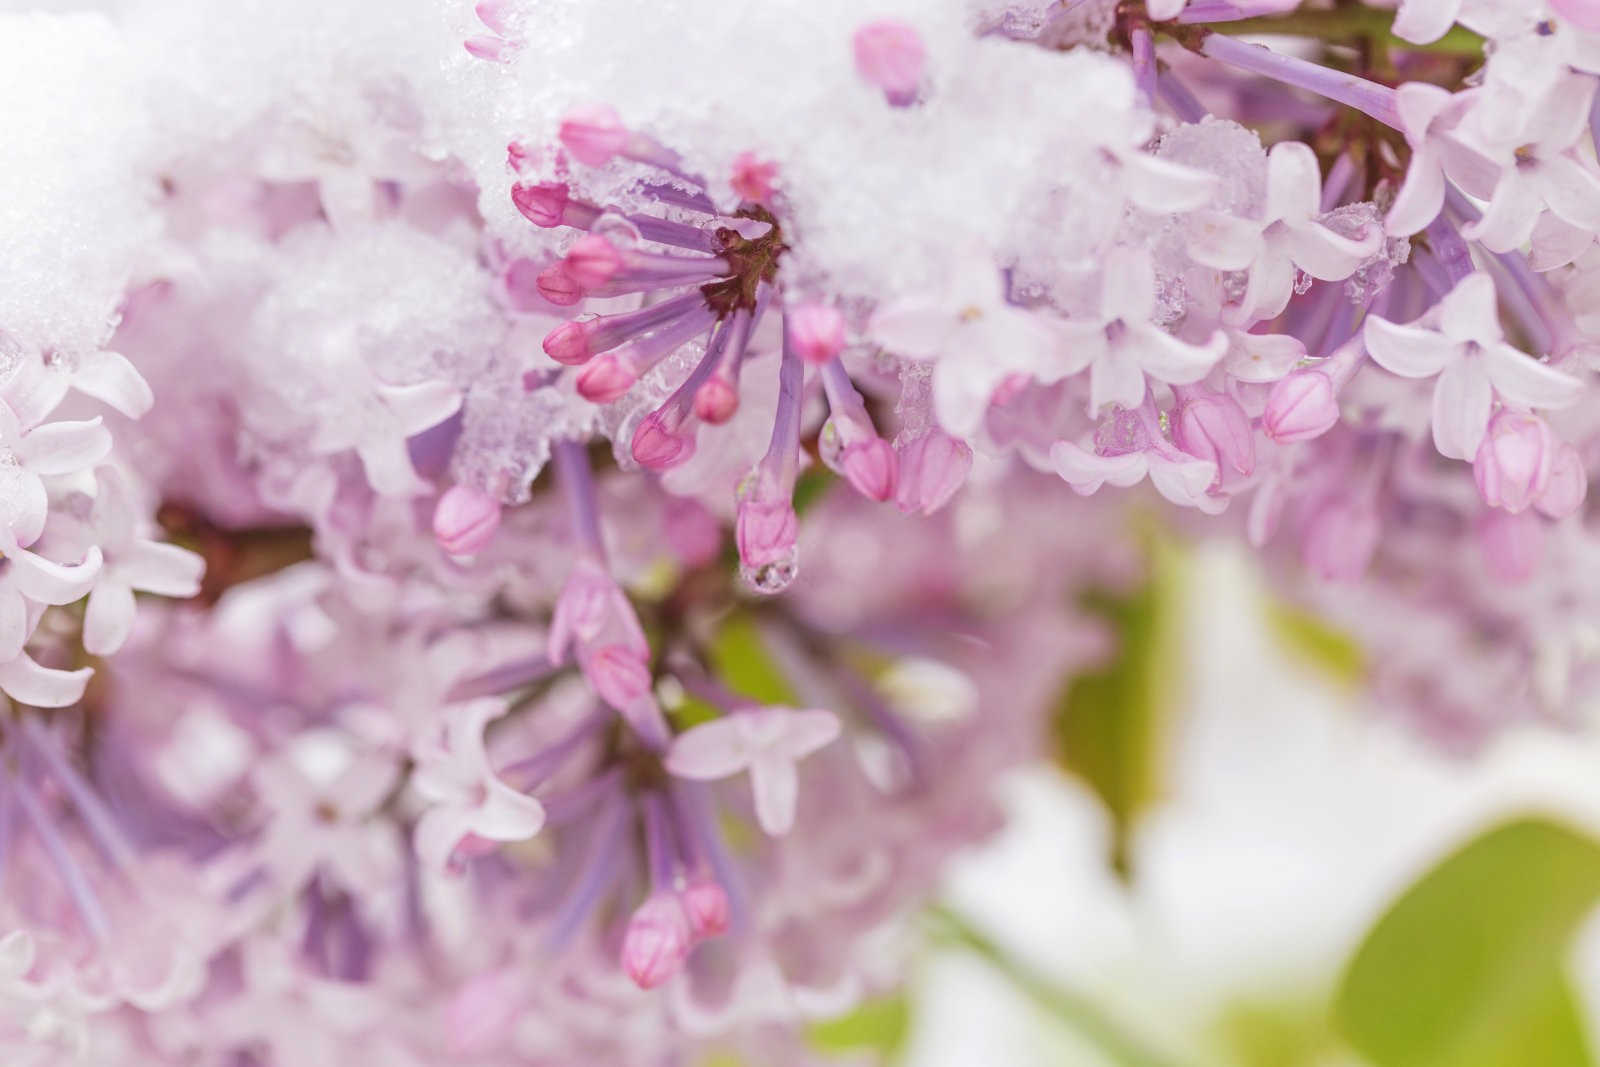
{"points": [[879, 1025], [739, 658], [1468, 967], [1315, 641], [1111, 723]]}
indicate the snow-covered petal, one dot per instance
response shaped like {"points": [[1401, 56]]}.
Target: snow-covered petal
{"points": [[1159, 185]]}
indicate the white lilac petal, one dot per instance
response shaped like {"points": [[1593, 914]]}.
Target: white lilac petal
{"points": [[45, 581], [1294, 183], [709, 751], [1513, 212], [1128, 287], [112, 379], [1263, 357], [1186, 483], [1469, 312], [109, 618], [1086, 472], [805, 731], [1425, 21], [56, 448], [775, 785], [1528, 382], [1409, 351], [1159, 185], [24, 504], [1218, 239], [916, 328], [161, 568], [1177, 362], [1116, 378], [1572, 191], [1326, 255], [1421, 195], [1462, 399], [26, 682], [1418, 104], [15, 626]]}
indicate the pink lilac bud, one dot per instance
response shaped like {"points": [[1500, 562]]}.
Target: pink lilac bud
{"points": [[871, 467], [517, 158], [1301, 406], [465, 520], [498, 15], [593, 261], [890, 55], [1584, 14], [1568, 485], [569, 343], [1212, 426], [766, 531], [606, 378], [1512, 545], [492, 49], [557, 286], [716, 401], [816, 331], [1340, 541], [657, 446], [931, 469], [543, 204], [753, 179], [705, 904], [593, 134], [657, 942], [1512, 467], [524, 290], [619, 674]]}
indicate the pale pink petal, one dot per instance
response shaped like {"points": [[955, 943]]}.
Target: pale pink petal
{"points": [[1461, 402], [914, 328], [806, 731], [1263, 357], [1294, 182], [1469, 312], [48, 582], [1418, 104], [1217, 239], [64, 447], [1421, 196], [420, 406], [108, 619], [23, 504], [14, 628], [711, 750], [389, 470], [161, 568], [1425, 21], [1561, 118], [26, 682], [438, 832], [1557, 243], [1270, 286], [1409, 351], [1164, 187], [1087, 472], [1115, 378], [1186, 483], [1166, 358], [110, 378], [1528, 382], [1513, 212], [507, 815], [776, 785], [1572, 190], [1328, 256], [1128, 288]]}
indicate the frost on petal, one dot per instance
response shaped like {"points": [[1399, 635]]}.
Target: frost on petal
{"points": [[1409, 351], [1523, 380], [1461, 402]]}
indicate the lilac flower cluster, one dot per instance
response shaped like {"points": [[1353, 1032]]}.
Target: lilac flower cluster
{"points": [[596, 470]]}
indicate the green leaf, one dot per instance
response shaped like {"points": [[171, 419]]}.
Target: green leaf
{"points": [[740, 659], [1278, 1030], [1318, 642], [1110, 724], [880, 1024], [1468, 968]]}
